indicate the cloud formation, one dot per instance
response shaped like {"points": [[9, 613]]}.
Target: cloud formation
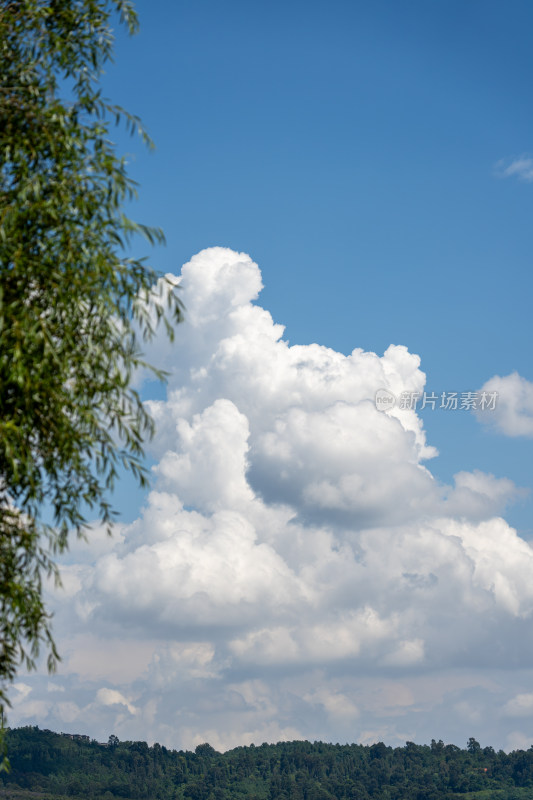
{"points": [[521, 168], [513, 412], [297, 570]]}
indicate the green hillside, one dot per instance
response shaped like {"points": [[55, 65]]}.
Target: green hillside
{"points": [[46, 765]]}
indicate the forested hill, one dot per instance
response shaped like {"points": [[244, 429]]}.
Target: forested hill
{"points": [[50, 765]]}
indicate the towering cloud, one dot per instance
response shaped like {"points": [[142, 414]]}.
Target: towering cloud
{"points": [[297, 570]]}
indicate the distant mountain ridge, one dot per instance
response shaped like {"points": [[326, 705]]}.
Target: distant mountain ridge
{"points": [[55, 766]]}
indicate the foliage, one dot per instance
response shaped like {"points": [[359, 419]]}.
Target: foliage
{"points": [[57, 765], [73, 310]]}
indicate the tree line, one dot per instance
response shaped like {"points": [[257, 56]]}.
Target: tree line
{"points": [[47, 764]]}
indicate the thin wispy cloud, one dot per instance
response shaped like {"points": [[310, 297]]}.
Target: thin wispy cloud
{"points": [[521, 168]]}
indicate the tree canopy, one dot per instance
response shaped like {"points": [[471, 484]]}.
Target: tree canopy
{"points": [[74, 310], [74, 766]]}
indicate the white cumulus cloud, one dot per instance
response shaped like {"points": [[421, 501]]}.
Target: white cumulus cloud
{"points": [[512, 412], [297, 569]]}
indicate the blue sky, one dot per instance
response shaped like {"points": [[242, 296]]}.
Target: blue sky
{"points": [[352, 150], [303, 567]]}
